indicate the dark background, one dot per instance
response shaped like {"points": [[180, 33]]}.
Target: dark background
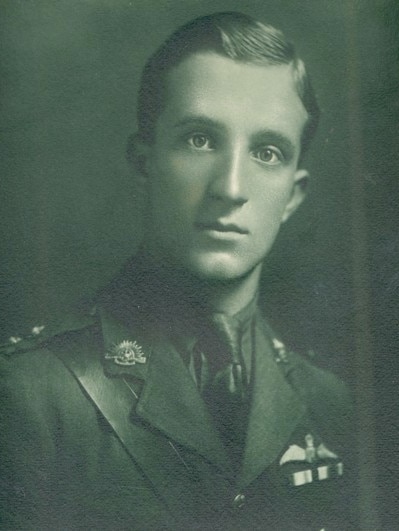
{"points": [[71, 215]]}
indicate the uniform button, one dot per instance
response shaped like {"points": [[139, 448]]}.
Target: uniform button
{"points": [[239, 501]]}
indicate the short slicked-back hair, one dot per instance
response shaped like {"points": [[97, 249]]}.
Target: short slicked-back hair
{"points": [[230, 34]]}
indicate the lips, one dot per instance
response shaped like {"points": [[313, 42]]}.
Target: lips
{"points": [[222, 227]]}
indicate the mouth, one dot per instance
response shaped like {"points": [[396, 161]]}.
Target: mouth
{"points": [[218, 226]]}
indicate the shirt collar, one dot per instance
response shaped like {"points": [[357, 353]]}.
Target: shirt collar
{"points": [[185, 334]]}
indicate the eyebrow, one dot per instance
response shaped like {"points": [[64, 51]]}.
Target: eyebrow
{"points": [[259, 137], [197, 119]]}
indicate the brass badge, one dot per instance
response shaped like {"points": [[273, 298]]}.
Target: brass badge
{"points": [[126, 353], [280, 351]]}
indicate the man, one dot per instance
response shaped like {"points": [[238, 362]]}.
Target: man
{"points": [[170, 403]]}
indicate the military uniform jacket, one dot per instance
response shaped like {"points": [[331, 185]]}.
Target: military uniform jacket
{"points": [[88, 443]]}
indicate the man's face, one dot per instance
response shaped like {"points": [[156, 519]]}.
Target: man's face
{"points": [[222, 171]]}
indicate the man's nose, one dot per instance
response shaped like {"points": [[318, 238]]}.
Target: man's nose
{"points": [[229, 177]]}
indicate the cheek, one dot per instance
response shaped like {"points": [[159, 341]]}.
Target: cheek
{"points": [[271, 203], [174, 200], [177, 182]]}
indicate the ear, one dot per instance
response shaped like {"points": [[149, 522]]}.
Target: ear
{"points": [[137, 153], [298, 193]]}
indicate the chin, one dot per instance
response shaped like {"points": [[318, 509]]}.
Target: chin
{"points": [[219, 267]]}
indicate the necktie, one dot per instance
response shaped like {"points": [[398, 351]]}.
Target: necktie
{"points": [[223, 381], [230, 378]]}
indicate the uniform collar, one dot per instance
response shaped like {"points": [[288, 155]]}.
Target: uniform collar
{"points": [[187, 333]]}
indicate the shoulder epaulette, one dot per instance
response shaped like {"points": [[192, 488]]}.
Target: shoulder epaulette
{"points": [[39, 335]]}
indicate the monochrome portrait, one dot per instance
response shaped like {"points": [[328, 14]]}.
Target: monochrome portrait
{"points": [[199, 279]]}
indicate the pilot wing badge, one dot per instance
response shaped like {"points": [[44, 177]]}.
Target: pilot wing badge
{"points": [[310, 464]]}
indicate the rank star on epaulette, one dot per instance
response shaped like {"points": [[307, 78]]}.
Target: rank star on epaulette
{"points": [[126, 353]]}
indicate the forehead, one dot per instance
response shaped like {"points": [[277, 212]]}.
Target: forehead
{"points": [[242, 96]]}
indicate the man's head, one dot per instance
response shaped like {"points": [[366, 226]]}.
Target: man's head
{"points": [[225, 113]]}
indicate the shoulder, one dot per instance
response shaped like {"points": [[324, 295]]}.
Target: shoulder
{"points": [[38, 391], [19, 342], [27, 360], [316, 386]]}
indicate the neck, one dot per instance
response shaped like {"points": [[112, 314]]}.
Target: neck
{"points": [[207, 295], [231, 296]]}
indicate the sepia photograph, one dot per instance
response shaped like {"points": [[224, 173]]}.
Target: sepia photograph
{"points": [[199, 279]]}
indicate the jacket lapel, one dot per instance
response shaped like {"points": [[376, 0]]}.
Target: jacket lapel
{"points": [[115, 397], [171, 402], [275, 411], [168, 399]]}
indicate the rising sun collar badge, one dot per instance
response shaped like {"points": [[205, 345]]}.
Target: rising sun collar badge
{"points": [[126, 353]]}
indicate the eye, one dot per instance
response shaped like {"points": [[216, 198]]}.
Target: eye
{"points": [[268, 155], [200, 141]]}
